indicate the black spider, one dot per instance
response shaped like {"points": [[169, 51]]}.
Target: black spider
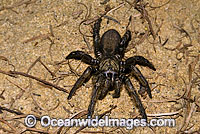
{"points": [[109, 70]]}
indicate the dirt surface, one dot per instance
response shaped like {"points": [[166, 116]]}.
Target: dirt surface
{"points": [[48, 30]]}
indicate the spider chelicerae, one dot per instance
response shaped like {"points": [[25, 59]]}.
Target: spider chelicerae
{"points": [[109, 70]]}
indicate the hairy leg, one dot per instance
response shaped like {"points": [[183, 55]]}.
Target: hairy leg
{"points": [[139, 60], [143, 82], [82, 79], [117, 88], [96, 38], [132, 92], [105, 89], [95, 95], [80, 55], [124, 42]]}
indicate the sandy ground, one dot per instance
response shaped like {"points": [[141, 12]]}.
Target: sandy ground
{"points": [[49, 29]]}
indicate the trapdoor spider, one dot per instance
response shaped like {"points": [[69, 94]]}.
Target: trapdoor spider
{"points": [[109, 70]]}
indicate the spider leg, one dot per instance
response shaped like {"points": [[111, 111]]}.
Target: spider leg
{"points": [[104, 90], [132, 92], [139, 60], [80, 55], [96, 38], [142, 90], [82, 79], [95, 95], [124, 42], [117, 89], [143, 82]]}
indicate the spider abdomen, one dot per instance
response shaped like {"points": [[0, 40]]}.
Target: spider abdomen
{"points": [[110, 41]]}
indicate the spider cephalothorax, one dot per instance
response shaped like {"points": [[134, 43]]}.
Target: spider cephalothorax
{"points": [[109, 70]]}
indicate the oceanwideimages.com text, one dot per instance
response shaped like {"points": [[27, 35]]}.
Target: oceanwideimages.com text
{"points": [[46, 121]]}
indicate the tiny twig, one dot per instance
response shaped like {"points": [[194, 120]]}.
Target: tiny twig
{"points": [[36, 130], [15, 117], [33, 64], [38, 79], [108, 111], [113, 9], [7, 73], [17, 112], [186, 122], [144, 13], [142, 39], [87, 21], [17, 4], [154, 7], [104, 2], [87, 14], [72, 70], [41, 36], [87, 43], [165, 114], [77, 14], [5, 59], [183, 31], [1, 95], [11, 111], [52, 74], [10, 126], [111, 18], [165, 42], [79, 114]]}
